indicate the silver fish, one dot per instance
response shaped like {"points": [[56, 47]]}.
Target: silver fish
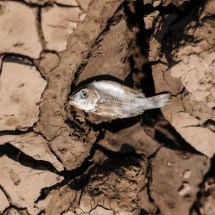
{"points": [[112, 99]]}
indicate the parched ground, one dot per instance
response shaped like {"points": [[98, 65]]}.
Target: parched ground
{"points": [[57, 160]]}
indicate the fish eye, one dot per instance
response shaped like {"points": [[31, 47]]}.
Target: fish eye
{"points": [[84, 94]]}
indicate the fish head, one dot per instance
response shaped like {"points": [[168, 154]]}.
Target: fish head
{"points": [[85, 99]]}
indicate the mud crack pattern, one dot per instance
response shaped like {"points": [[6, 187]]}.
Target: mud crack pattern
{"points": [[58, 160]]}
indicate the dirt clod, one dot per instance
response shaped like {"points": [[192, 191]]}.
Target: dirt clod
{"points": [[19, 96], [14, 32]]}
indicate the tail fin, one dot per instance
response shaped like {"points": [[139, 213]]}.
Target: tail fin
{"points": [[157, 101]]}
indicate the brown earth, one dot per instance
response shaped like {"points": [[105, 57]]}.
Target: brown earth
{"points": [[55, 159]]}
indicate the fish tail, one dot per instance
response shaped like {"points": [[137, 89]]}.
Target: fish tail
{"points": [[157, 101]]}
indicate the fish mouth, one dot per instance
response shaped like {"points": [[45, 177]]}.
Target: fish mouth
{"points": [[71, 101]]}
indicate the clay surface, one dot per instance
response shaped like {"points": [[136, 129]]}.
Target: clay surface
{"points": [[58, 23], [20, 93], [55, 159], [17, 38]]}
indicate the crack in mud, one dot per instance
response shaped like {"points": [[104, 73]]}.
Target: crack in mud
{"points": [[6, 194], [70, 177], [149, 170], [24, 159], [39, 27], [101, 163]]}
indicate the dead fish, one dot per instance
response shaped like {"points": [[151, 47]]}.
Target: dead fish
{"points": [[112, 99]]}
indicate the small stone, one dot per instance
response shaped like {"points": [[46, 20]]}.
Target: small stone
{"points": [[170, 164], [187, 174], [184, 189], [83, 16]]}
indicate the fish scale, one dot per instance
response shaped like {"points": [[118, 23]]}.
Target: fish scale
{"points": [[122, 105]]}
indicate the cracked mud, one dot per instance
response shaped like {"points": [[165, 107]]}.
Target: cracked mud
{"points": [[55, 159]]}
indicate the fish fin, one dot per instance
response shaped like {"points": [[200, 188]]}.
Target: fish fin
{"points": [[157, 101]]}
